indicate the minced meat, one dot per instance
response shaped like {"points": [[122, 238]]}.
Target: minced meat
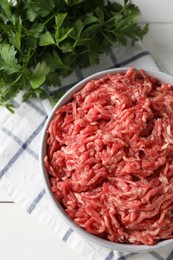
{"points": [[110, 158]]}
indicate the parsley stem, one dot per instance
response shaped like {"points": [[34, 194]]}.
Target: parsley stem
{"points": [[16, 80], [107, 38], [49, 19]]}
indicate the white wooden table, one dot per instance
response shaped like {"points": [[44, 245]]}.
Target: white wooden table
{"points": [[21, 236]]}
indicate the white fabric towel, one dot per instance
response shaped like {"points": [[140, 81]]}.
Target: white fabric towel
{"points": [[20, 173]]}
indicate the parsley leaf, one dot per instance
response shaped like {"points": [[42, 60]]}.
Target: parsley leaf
{"points": [[39, 75], [8, 61], [46, 39], [38, 8]]}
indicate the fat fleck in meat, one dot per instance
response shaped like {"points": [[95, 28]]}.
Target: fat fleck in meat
{"points": [[110, 158]]}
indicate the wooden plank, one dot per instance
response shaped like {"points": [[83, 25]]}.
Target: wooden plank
{"points": [[159, 42], [22, 237], [156, 11], [4, 198]]}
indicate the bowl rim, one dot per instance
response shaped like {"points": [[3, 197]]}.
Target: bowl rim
{"points": [[163, 77]]}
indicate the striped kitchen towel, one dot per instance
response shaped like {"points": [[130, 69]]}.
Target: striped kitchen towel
{"points": [[20, 173]]}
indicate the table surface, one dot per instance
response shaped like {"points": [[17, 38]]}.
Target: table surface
{"points": [[21, 236]]}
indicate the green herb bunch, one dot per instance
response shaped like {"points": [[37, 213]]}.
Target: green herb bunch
{"points": [[43, 41]]}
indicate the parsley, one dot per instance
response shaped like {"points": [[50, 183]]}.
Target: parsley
{"points": [[43, 41]]}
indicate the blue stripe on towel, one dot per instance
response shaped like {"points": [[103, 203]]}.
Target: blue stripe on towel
{"points": [[36, 201], [135, 57], [130, 255], [122, 258], [67, 234], [11, 162], [36, 108], [170, 256], [113, 57], [157, 256], [23, 148], [125, 257], [17, 140], [110, 256], [15, 103], [78, 73]]}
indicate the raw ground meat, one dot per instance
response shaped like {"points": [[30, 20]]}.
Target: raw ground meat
{"points": [[110, 158]]}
